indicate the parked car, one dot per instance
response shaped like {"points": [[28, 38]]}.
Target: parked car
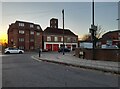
{"points": [[65, 50], [110, 47], [13, 50]]}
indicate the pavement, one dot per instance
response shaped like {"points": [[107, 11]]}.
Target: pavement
{"points": [[70, 60]]}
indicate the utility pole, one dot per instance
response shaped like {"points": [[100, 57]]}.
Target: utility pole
{"points": [[93, 31], [93, 10], [63, 33], [118, 19]]}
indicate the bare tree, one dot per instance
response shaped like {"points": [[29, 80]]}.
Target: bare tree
{"points": [[100, 31]]}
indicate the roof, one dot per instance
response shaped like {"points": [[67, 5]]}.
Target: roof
{"points": [[58, 31], [23, 22], [14, 25], [26, 22], [111, 32]]}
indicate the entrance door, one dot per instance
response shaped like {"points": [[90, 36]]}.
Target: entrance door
{"points": [[55, 47], [49, 47]]}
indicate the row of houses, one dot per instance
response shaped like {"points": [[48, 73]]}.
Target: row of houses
{"points": [[30, 36], [109, 39]]}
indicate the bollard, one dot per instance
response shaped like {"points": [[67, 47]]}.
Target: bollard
{"points": [[39, 52]]}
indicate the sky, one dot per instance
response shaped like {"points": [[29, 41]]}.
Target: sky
{"points": [[78, 17]]}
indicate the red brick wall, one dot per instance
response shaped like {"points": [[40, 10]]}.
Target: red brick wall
{"points": [[26, 40], [13, 34], [38, 40], [100, 54]]}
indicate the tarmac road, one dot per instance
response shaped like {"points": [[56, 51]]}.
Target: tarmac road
{"points": [[21, 70]]}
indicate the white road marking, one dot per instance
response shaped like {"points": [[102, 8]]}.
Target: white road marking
{"points": [[35, 58], [4, 55]]}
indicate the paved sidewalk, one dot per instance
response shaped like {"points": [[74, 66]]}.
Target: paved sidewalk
{"points": [[69, 59]]}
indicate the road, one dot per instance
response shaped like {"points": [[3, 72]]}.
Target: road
{"points": [[21, 70]]}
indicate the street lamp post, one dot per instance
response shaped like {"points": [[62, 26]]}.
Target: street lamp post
{"points": [[63, 32], [118, 23], [93, 31]]}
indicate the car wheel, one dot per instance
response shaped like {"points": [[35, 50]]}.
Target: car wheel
{"points": [[7, 52], [20, 52]]}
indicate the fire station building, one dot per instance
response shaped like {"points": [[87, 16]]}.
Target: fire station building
{"points": [[53, 37]]}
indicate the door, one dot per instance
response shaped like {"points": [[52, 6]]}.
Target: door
{"points": [[49, 47], [55, 47]]}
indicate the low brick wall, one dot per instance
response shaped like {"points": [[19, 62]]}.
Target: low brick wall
{"points": [[99, 54]]}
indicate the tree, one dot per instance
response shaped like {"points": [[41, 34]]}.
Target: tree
{"points": [[86, 37], [99, 33]]}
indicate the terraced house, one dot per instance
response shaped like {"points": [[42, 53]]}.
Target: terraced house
{"points": [[53, 37], [25, 35]]}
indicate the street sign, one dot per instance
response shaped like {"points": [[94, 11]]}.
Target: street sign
{"points": [[94, 27]]}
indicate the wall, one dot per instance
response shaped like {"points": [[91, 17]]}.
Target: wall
{"points": [[100, 54]]}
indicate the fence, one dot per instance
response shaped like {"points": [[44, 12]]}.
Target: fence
{"points": [[99, 54]]}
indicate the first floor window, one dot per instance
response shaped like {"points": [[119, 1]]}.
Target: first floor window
{"points": [[31, 40], [118, 38], [48, 38], [62, 38], [56, 39], [31, 25], [38, 33], [38, 27], [21, 32], [68, 39], [21, 39], [21, 47], [119, 33], [74, 39], [32, 32]]}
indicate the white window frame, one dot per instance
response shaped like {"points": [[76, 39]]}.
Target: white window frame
{"points": [[62, 39], [118, 38], [32, 32], [38, 27], [38, 33], [31, 25], [68, 39], [21, 32], [74, 39], [119, 33], [31, 40], [55, 38], [21, 24], [21, 47], [21, 40], [48, 38]]}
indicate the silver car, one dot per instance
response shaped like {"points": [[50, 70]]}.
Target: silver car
{"points": [[13, 50]]}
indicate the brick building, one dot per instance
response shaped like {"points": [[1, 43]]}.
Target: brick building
{"points": [[53, 37], [111, 38], [25, 35]]}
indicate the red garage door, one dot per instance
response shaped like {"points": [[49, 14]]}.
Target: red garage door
{"points": [[55, 47], [49, 47]]}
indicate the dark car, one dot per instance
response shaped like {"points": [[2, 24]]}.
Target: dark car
{"points": [[65, 50]]}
